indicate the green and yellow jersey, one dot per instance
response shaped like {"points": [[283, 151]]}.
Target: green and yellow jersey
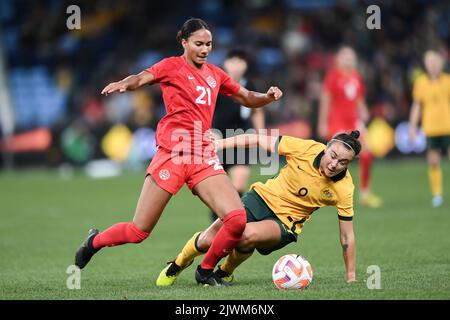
{"points": [[300, 188], [434, 98]]}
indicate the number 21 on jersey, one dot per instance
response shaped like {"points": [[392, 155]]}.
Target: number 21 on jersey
{"points": [[204, 97]]}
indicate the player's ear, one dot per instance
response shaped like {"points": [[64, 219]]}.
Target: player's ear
{"points": [[184, 43]]}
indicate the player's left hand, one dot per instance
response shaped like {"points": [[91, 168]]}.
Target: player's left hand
{"points": [[274, 93]]}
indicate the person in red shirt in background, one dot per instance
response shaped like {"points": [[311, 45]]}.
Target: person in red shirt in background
{"points": [[190, 87], [343, 109]]}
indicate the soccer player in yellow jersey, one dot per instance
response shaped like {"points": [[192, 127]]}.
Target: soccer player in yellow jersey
{"points": [[431, 95], [315, 176]]}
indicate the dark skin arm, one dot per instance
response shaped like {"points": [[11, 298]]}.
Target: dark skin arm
{"points": [[244, 97], [130, 83], [252, 99]]}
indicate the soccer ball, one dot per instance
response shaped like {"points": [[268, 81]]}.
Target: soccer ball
{"points": [[292, 272]]}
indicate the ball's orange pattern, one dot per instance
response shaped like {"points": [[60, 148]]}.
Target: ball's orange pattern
{"points": [[292, 272]]}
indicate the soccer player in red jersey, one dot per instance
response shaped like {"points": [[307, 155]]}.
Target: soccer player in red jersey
{"points": [[343, 109], [185, 153]]}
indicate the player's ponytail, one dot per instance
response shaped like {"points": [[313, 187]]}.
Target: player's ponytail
{"points": [[189, 27], [350, 141]]}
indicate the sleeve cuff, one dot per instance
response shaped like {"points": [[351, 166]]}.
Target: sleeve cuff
{"points": [[277, 143], [345, 218]]}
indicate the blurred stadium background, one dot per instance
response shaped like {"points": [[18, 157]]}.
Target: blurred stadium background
{"points": [[54, 75], [58, 132]]}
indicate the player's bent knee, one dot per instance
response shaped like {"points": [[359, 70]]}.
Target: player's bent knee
{"points": [[248, 239], [135, 234], [235, 222], [204, 241]]}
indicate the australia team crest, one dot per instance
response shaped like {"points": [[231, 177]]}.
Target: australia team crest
{"points": [[328, 196]]}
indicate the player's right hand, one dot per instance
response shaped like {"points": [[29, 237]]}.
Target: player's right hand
{"points": [[120, 86], [274, 93]]}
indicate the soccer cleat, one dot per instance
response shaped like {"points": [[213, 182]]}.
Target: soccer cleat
{"points": [[86, 251], [209, 278], [437, 201], [169, 274], [370, 200], [225, 276]]}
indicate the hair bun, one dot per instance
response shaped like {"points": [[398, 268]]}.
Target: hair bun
{"points": [[355, 134]]}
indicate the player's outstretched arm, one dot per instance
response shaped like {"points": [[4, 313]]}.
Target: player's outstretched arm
{"points": [[248, 141], [254, 99], [347, 238], [129, 83]]}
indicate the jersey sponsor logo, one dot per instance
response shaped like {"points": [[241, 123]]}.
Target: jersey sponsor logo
{"points": [[164, 174], [191, 77], [212, 83]]}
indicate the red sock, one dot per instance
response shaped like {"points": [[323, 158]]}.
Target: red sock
{"points": [[226, 239], [120, 233], [365, 162]]}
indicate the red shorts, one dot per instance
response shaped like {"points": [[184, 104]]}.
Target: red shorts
{"points": [[170, 171]]}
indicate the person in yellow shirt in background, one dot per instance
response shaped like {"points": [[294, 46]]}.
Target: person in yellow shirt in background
{"points": [[431, 103], [315, 176]]}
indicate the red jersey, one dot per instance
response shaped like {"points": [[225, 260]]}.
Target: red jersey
{"points": [[345, 89], [190, 96]]}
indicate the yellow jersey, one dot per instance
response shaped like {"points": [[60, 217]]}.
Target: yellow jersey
{"points": [[434, 97], [300, 188]]}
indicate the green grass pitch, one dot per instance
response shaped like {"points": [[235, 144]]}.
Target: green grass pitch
{"points": [[44, 218]]}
